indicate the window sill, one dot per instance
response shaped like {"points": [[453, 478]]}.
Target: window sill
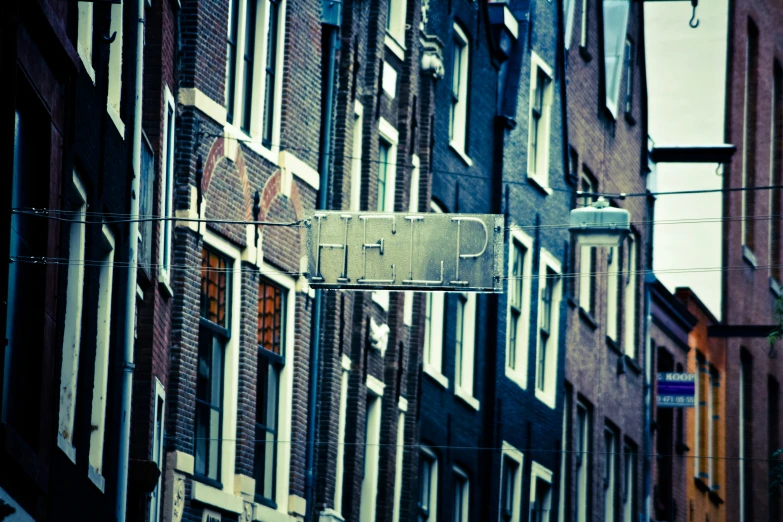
{"points": [[96, 478], [438, 377], [467, 399], [517, 377], [539, 184], [588, 318], [115, 118], [630, 119], [715, 498], [683, 448], [262, 513], [774, 286], [612, 344], [67, 448], [585, 54], [749, 257], [632, 364], [547, 398], [253, 143], [701, 485], [394, 46], [164, 284], [461, 154], [215, 497]]}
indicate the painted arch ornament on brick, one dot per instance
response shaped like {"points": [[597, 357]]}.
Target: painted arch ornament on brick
{"points": [[405, 251]]}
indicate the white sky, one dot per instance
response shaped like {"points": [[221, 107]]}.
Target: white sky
{"points": [[686, 81]]}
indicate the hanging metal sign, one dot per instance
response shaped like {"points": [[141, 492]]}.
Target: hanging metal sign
{"points": [[676, 390], [405, 251]]}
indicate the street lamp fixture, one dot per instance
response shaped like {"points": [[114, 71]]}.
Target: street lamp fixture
{"points": [[600, 225]]}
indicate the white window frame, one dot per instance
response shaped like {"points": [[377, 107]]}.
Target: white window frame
{"points": [[561, 501], [254, 133], [395, 25], [583, 24], [72, 335], [372, 454], [458, 111], [427, 453], [433, 328], [402, 408], [462, 481], [285, 397], [389, 134], [568, 13], [518, 373], [629, 298], [582, 454], [356, 161], [549, 393], [85, 36], [101, 375], [465, 350], [115, 68], [538, 143], [741, 425], [539, 472], [413, 208], [612, 293], [339, 474], [610, 481], [156, 500], [629, 465], [615, 22], [510, 452], [167, 189], [586, 261]]}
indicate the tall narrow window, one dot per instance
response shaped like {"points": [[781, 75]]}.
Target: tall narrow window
{"points": [[461, 496], [395, 20], [615, 24], [465, 344], [428, 486], [339, 475], [749, 138], [271, 359], [715, 432], [629, 298], [100, 382], [510, 484], [612, 293], [610, 486], [746, 436], [459, 91], [213, 336], [629, 484], [776, 177], [584, 24], [232, 40], [540, 493], [540, 109], [157, 449], [568, 15], [270, 86], [167, 187], [371, 455], [548, 328], [587, 255], [702, 419], [628, 76], [518, 315], [356, 163], [248, 57], [433, 327], [85, 36], [398, 462], [115, 66], [72, 334], [383, 175], [583, 429], [564, 453], [773, 438]]}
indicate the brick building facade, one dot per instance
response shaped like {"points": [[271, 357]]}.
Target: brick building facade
{"points": [[68, 127], [752, 253], [670, 333], [604, 364]]}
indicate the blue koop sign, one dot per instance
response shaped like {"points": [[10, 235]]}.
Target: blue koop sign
{"points": [[676, 390]]}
